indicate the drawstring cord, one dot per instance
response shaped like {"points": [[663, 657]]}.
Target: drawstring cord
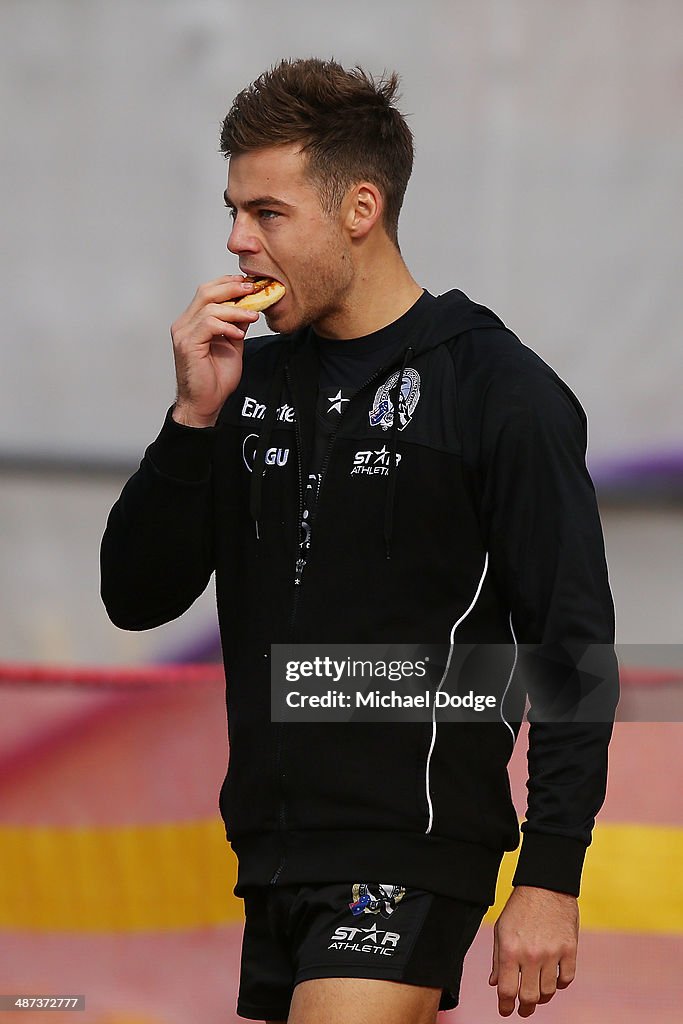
{"points": [[391, 485], [259, 468]]}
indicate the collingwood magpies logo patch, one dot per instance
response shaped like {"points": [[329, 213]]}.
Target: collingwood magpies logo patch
{"points": [[383, 902], [382, 412]]}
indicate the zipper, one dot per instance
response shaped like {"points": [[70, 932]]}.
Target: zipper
{"points": [[299, 567], [281, 809], [300, 562], [298, 570], [323, 471]]}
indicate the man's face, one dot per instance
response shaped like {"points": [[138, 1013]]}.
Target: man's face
{"points": [[280, 230]]}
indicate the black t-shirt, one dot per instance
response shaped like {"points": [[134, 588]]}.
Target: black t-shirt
{"points": [[345, 366]]}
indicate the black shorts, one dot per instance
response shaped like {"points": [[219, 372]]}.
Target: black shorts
{"points": [[364, 930]]}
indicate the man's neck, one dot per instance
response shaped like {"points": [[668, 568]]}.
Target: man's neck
{"points": [[382, 291]]}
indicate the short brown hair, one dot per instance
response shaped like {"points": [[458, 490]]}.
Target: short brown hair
{"points": [[345, 120]]}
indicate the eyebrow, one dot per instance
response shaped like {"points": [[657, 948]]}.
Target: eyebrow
{"points": [[259, 201]]}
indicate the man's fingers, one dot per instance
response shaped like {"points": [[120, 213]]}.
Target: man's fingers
{"points": [[567, 970], [532, 982], [220, 283], [530, 987], [235, 314], [212, 321], [223, 289], [548, 982], [508, 985], [231, 332]]}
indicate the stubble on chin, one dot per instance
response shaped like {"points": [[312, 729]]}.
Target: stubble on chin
{"points": [[285, 326], [322, 302], [307, 316]]}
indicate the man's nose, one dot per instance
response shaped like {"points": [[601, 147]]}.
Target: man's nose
{"points": [[241, 238]]}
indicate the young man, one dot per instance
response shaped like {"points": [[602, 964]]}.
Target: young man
{"points": [[388, 467]]}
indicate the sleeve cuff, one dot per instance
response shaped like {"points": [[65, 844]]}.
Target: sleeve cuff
{"points": [[550, 862], [182, 453]]}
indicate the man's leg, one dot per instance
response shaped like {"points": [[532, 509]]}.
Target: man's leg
{"points": [[362, 1001]]}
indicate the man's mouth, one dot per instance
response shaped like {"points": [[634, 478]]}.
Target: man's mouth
{"points": [[250, 272]]}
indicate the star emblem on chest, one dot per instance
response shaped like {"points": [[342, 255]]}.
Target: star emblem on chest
{"points": [[336, 402]]}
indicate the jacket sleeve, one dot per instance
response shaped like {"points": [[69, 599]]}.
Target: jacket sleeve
{"points": [[156, 555], [540, 519]]}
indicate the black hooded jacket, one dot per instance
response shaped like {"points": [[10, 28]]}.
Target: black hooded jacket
{"points": [[487, 523]]}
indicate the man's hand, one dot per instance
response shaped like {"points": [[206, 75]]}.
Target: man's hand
{"points": [[534, 948], [208, 342]]}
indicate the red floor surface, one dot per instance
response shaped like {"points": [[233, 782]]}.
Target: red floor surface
{"points": [[161, 758]]}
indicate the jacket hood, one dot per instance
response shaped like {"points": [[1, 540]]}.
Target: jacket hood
{"points": [[452, 314]]}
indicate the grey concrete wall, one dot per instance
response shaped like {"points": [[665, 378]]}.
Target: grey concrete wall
{"points": [[547, 185]]}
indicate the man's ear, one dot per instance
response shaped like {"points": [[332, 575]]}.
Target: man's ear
{"points": [[364, 209]]}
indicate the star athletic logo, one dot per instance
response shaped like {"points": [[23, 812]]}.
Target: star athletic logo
{"points": [[375, 941], [373, 462]]}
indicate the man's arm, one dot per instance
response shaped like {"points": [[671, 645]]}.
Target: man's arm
{"points": [[544, 538], [156, 556]]}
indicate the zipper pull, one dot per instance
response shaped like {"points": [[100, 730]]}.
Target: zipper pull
{"points": [[300, 563]]}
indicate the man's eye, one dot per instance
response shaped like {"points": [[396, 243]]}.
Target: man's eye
{"points": [[268, 214], [231, 211]]}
